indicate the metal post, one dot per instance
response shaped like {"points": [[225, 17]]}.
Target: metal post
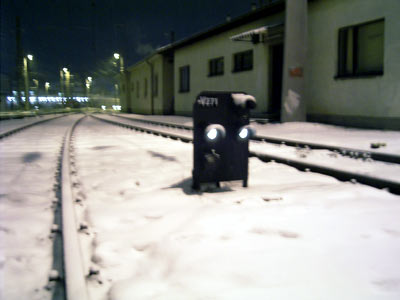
{"points": [[26, 81], [67, 86], [19, 60], [62, 87]]}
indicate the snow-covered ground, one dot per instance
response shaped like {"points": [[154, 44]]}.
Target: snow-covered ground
{"points": [[289, 235], [311, 132], [28, 163]]}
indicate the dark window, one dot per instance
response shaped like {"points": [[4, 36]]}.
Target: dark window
{"points": [[184, 79], [155, 85], [145, 87], [243, 61], [216, 66], [132, 86], [361, 49], [137, 89], [123, 88]]}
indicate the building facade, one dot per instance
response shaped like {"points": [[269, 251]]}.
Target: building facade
{"points": [[348, 73], [353, 63]]}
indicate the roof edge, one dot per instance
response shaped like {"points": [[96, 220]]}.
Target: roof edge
{"points": [[266, 10]]}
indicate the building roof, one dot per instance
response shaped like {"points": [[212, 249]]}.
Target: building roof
{"points": [[269, 9], [273, 7]]}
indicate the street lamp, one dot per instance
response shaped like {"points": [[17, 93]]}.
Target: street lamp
{"points": [[36, 82], [67, 83], [26, 79], [119, 57], [124, 79], [47, 86], [88, 84]]}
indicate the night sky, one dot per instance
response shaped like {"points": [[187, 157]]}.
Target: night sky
{"points": [[82, 35]]}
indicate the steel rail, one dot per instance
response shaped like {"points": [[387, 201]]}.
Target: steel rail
{"points": [[159, 123], [358, 153], [173, 136], [15, 130], [75, 282], [391, 186]]}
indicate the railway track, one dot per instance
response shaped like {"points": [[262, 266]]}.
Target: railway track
{"points": [[37, 149], [73, 274], [75, 271], [355, 153], [26, 126], [183, 133]]}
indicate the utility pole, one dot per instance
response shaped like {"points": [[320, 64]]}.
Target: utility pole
{"points": [[62, 87], [26, 81], [19, 59]]}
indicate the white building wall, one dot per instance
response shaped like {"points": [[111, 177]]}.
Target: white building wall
{"points": [[197, 56], [369, 99]]}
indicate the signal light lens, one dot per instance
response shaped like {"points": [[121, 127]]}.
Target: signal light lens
{"points": [[244, 133], [212, 134]]}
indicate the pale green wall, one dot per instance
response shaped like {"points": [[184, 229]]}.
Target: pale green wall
{"points": [[139, 73], [122, 93], [377, 97], [254, 82], [142, 71], [157, 63], [168, 85]]}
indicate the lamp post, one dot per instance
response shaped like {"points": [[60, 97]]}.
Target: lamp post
{"points": [[47, 86], [119, 57], [67, 83], [124, 83], [26, 80], [36, 82], [88, 84]]}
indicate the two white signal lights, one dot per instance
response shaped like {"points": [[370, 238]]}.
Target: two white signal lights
{"points": [[216, 132]]}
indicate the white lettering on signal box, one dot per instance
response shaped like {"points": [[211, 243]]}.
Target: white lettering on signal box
{"points": [[207, 101]]}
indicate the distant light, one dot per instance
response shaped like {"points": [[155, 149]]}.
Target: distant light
{"points": [[116, 107], [65, 70], [90, 79], [244, 133], [87, 85], [47, 84], [30, 56], [103, 107], [116, 55], [212, 134]]}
